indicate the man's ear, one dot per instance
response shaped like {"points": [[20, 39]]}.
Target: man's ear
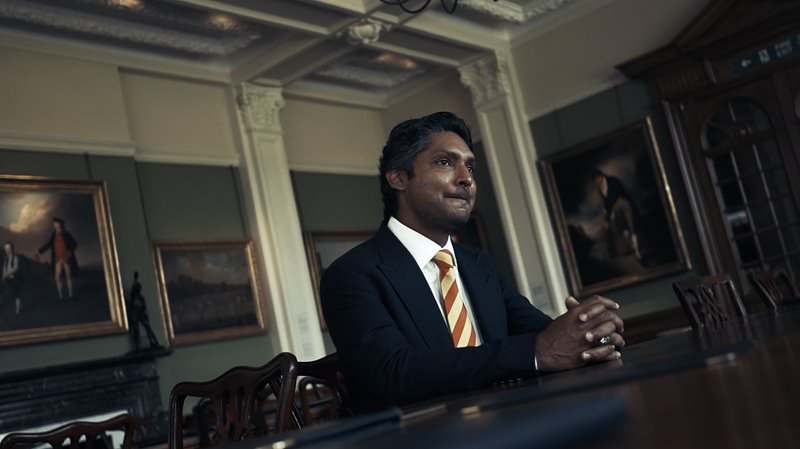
{"points": [[397, 179]]}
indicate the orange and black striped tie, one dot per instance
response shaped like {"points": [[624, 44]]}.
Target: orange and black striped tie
{"points": [[457, 317]]}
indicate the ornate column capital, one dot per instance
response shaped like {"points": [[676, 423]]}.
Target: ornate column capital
{"points": [[486, 78], [260, 107]]}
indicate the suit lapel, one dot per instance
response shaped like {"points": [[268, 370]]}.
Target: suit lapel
{"points": [[486, 308], [401, 270]]}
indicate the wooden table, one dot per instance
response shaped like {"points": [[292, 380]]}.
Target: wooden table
{"points": [[736, 387], [744, 402]]}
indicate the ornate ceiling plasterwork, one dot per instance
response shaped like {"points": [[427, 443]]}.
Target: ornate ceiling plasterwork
{"points": [[194, 19], [365, 31], [513, 12], [281, 42], [365, 76], [108, 27]]}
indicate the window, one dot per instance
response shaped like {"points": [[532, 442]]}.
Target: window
{"points": [[752, 187]]}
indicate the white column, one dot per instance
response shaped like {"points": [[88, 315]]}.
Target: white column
{"points": [[510, 152], [275, 224]]}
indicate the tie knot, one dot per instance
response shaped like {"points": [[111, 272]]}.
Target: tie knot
{"points": [[443, 259]]}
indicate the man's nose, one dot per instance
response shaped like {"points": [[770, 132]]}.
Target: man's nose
{"points": [[465, 177]]}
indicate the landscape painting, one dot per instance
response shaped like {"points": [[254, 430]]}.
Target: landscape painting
{"points": [[209, 290]]}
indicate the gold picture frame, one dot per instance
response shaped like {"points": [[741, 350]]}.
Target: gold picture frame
{"points": [[87, 299], [322, 248], [613, 211], [209, 290]]}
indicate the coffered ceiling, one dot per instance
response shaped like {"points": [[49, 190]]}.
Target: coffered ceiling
{"points": [[359, 51]]}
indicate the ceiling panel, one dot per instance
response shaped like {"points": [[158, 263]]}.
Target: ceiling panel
{"points": [[345, 47]]}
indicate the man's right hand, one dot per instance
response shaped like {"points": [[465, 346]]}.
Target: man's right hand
{"points": [[568, 341]]}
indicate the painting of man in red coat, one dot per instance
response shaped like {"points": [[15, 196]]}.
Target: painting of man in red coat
{"points": [[62, 247]]}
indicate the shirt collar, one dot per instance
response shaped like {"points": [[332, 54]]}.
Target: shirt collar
{"points": [[422, 248]]}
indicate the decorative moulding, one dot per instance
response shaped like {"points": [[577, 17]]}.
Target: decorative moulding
{"points": [[370, 170], [261, 107], [62, 144], [475, 35], [365, 31], [156, 156], [68, 145], [486, 78], [575, 10], [513, 12], [127, 60], [366, 77]]}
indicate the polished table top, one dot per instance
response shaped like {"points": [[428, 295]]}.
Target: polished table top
{"points": [[734, 387]]}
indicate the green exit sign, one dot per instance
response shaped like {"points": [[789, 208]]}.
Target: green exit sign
{"points": [[766, 55]]}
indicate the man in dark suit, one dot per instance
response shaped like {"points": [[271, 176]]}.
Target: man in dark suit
{"points": [[414, 316]]}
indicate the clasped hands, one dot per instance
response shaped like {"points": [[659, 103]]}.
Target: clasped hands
{"points": [[569, 341]]}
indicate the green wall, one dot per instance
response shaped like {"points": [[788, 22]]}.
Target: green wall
{"points": [[337, 203], [600, 114], [148, 202]]}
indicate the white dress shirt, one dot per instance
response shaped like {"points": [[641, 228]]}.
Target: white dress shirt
{"points": [[423, 249]]}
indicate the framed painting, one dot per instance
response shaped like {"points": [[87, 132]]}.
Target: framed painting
{"points": [[322, 248], [209, 290], [613, 211], [60, 273]]}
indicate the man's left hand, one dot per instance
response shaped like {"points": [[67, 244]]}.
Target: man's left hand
{"points": [[570, 340]]}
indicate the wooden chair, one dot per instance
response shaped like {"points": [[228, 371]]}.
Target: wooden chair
{"points": [[75, 435], [238, 402], [321, 391], [703, 299], [768, 286]]}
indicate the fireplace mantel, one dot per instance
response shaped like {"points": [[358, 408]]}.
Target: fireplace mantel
{"points": [[36, 397]]}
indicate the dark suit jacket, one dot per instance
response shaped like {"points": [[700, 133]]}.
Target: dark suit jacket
{"points": [[393, 341]]}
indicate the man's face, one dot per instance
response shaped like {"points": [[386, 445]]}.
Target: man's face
{"points": [[439, 198], [57, 226], [7, 249]]}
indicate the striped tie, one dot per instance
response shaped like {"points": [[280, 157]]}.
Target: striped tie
{"points": [[457, 318]]}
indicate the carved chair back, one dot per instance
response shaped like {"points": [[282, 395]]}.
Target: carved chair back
{"points": [[321, 391], [703, 300], [773, 286], [238, 404], [79, 434]]}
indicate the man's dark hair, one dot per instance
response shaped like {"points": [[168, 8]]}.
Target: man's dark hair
{"points": [[59, 221], [406, 141]]}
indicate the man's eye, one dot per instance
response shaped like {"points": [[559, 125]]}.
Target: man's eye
{"points": [[444, 162], [471, 168]]}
